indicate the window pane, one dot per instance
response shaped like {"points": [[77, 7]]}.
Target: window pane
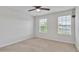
{"points": [[43, 25], [64, 24]]}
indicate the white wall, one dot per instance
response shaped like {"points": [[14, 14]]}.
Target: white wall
{"points": [[52, 28], [77, 27], [14, 26]]}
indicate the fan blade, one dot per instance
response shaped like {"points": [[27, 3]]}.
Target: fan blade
{"points": [[31, 9], [44, 9]]}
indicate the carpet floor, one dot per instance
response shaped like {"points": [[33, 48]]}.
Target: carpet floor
{"points": [[39, 45]]}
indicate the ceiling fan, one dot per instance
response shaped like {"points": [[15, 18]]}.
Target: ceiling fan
{"points": [[39, 8]]}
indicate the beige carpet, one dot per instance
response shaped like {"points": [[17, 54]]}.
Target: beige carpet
{"points": [[39, 45]]}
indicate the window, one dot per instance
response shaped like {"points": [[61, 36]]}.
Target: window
{"points": [[64, 25], [43, 27]]}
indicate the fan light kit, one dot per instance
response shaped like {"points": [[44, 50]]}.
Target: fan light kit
{"points": [[38, 10]]}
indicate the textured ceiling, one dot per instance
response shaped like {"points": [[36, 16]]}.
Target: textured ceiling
{"points": [[25, 9]]}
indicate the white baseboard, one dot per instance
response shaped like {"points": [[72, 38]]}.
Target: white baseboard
{"points": [[56, 40], [19, 40]]}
